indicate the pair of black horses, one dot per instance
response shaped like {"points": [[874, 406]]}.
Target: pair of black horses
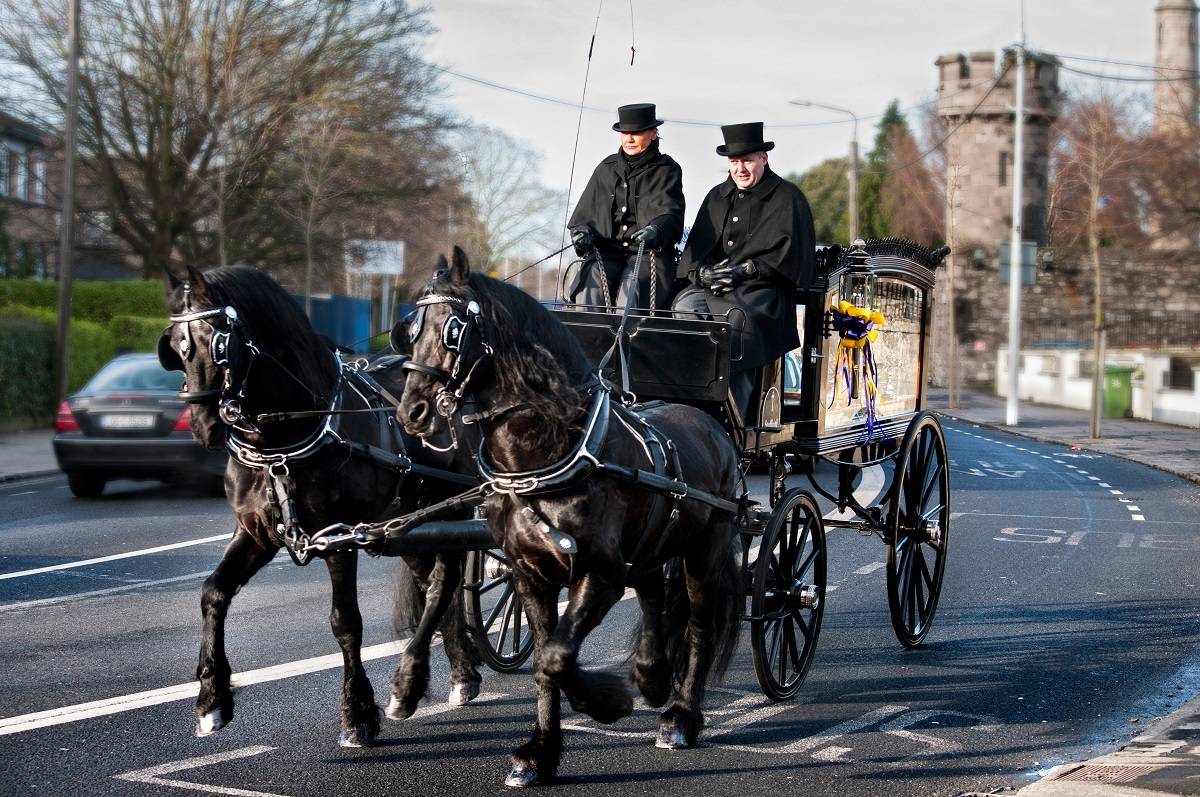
{"points": [[480, 341]]}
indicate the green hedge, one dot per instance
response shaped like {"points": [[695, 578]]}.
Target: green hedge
{"points": [[136, 333], [90, 300], [92, 345], [26, 372]]}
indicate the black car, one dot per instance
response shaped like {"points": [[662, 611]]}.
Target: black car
{"points": [[127, 423]]}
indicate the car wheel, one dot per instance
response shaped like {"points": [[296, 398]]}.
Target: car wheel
{"points": [[85, 484]]}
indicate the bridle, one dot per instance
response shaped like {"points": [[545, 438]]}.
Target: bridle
{"points": [[458, 335], [223, 323]]}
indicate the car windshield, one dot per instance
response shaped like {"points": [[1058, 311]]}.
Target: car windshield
{"points": [[134, 374]]}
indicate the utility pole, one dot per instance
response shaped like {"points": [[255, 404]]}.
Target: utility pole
{"points": [[66, 232], [1014, 265], [852, 171]]}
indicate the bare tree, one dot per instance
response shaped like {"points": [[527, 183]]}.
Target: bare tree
{"points": [[912, 198], [518, 216], [1098, 201], [188, 105]]}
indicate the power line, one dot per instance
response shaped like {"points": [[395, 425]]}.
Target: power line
{"points": [[1125, 78], [1115, 62]]}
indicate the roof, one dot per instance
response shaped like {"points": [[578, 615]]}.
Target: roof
{"points": [[15, 127]]}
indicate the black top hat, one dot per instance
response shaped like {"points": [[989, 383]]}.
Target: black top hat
{"points": [[742, 139], [637, 117]]}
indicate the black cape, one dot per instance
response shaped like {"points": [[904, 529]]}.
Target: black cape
{"points": [[772, 225], [653, 194]]}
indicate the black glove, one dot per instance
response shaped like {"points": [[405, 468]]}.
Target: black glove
{"points": [[724, 277], [583, 239], [648, 235]]}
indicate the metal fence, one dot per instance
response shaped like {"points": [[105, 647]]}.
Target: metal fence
{"points": [[1126, 330]]}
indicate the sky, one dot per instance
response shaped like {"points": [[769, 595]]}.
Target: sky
{"points": [[724, 62]]}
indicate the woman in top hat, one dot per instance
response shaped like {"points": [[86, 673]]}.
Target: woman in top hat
{"points": [[751, 246], [634, 197]]}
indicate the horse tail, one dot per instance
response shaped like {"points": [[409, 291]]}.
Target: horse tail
{"points": [[727, 599], [410, 601]]}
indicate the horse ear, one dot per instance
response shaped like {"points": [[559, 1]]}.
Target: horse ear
{"points": [[199, 286], [172, 281], [460, 269], [441, 266]]}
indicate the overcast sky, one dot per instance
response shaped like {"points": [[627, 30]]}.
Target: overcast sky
{"points": [[723, 62]]}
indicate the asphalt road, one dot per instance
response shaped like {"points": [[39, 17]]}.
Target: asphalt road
{"points": [[1068, 619]]}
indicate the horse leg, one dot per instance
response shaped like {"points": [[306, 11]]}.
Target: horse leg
{"points": [[460, 649], [651, 670], [713, 591], [537, 760], [243, 557], [360, 715], [604, 696], [411, 679]]}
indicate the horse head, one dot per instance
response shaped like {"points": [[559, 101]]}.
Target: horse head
{"points": [[448, 345]]}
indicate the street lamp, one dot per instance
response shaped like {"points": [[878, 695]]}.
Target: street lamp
{"points": [[852, 172]]}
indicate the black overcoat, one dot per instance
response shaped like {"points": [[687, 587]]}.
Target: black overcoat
{"points": [[651, 191], [772, 225]]}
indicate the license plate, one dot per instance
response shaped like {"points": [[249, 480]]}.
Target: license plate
{"points": [[126, 421]]}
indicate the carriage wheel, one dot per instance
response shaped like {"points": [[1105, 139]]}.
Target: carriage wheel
{"points": [[788, 601], [919, 534], [501, 630]]}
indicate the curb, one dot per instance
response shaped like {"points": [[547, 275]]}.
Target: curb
{"points": [[33, 474], [1192, 477]]}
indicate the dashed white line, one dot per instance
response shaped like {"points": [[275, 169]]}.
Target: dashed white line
{"points": [[871, 568], [43, 602], [1104, 484], [1138, 517], [1133, 508], [27, 492], [1116, 492]]}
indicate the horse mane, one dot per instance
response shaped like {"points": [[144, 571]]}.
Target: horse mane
{"points": [[535, 355], [276, 323]]}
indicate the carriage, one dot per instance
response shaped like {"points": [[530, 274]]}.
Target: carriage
{"points": [[829, 411]]}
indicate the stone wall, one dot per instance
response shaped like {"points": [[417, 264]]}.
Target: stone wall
{"points": [[1150, 296]]}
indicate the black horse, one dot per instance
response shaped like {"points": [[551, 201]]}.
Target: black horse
{"points": [[260, 381], [535, 395]]}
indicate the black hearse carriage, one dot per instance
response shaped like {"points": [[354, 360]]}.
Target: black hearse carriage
{"points": [[845, 401]]}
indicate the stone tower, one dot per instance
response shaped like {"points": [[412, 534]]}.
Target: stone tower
{"points": [[1175, 58], [979, 153]]}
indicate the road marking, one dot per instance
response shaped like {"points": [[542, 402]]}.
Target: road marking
{"points": [[27, 492], [1116, 492], [188, 691], [43, 602], [1133, 508], [114, 557], [1093, 478], [1104, 484], [871, 568], [153, 775], [1139, 517]]}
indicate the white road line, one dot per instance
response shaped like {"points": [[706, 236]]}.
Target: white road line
{"points": [[871, 568], [152, 775], [1093, 478], [1138, 517], [43, 602], [1133, 508], [1116, 492], [188, 691], [1104, 484], [27, 492], [127, 555]]}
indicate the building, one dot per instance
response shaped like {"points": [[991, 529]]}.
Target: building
{"points": [[1175, 63], [28, 236]]}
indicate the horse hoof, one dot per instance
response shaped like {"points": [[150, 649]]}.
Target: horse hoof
{"points": [[209, 724], [397, 709], [521, 777], [671, 739], [356, 737], [463, 693]]}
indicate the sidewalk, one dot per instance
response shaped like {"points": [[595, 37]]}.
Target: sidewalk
{"points": [[24, 455], [1174, 449]]}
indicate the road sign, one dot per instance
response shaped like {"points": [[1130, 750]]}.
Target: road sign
{"points": [[1028, 262]]}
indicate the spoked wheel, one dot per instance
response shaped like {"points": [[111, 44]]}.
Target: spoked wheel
{"points": [[494, 613], [919, 520], [788, 601]]}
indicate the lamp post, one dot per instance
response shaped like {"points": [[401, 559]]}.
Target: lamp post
{"points": [[852, 171], [66, 232]]}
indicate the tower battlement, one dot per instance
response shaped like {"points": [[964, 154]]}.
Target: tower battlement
{"points": [[965, 80]]}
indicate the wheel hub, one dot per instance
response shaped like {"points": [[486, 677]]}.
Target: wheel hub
{"points": [[932, 530], [806, 596], [494, 569]]}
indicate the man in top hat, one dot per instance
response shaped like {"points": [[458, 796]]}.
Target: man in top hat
{"points": [[751, 246], [635, 196]]}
